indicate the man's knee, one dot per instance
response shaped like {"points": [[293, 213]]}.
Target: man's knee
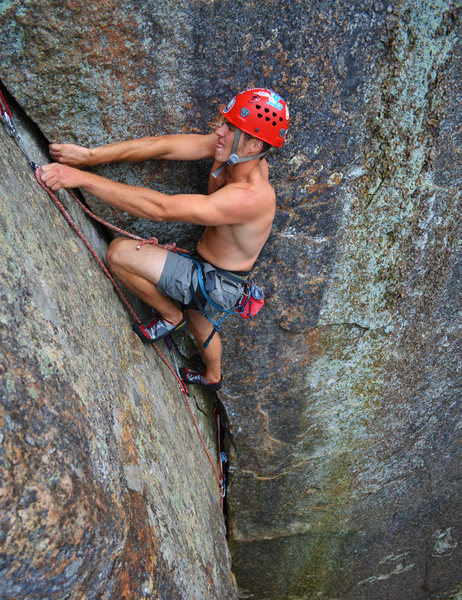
{"points": [[115, 252]]}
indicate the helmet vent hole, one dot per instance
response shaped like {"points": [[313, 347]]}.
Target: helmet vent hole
{"points": [[266, 110], [274, 123], [274, 114], [257, 106], [259, 116], [267, 119]]}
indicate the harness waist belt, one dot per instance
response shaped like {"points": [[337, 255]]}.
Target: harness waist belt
{"points": [[236, 276], [231, 275]]}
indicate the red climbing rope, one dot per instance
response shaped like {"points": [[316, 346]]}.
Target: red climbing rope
{"points": [[108, 274], [4, 106]]}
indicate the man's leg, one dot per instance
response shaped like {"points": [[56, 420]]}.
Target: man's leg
{"points": [[201, 329], [140, 271]]}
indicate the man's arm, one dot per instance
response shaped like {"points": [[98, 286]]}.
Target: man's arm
{"points": [[230, 205], [164, 147]]}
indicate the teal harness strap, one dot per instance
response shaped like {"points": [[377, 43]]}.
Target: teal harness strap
{"points": [[216, 324]]}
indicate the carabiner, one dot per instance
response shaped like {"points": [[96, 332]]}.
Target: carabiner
{"points": [[9, 125]]}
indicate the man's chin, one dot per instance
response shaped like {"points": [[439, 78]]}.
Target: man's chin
{"points": [[220, 156]]}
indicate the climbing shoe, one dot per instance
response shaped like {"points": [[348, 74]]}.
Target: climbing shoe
{"points": [[197, 377], [156, 329]]}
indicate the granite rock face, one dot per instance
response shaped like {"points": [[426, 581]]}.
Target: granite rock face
{"points": [[344, 397], [98, 498]]}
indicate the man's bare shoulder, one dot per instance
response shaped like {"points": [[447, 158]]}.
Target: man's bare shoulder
{"points": [[258, 180], [244, 201], [259, 189]]}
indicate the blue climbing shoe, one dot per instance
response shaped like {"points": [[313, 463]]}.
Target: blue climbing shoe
{"points": [[197, 378], [156, 329]]}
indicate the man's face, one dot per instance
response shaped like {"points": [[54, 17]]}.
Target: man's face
{"points": [[225, 133]]}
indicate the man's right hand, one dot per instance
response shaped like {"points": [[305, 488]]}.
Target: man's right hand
{"points": [[70, 154], [56, 176]]}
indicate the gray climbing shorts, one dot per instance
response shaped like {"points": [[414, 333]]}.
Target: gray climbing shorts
{"points": [[179, 280]]}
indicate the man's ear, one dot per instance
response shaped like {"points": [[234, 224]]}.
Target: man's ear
{"points": [[255, 146]]}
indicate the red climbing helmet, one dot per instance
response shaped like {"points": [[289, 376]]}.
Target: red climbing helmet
{"points": [[261, 113]]}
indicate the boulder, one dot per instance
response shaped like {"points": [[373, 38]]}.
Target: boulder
{"points": [[343, 396]]}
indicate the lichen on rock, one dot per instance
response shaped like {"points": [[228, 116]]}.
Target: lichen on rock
{"points": [[343, 396]]}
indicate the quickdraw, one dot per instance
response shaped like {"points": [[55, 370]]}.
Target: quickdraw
{"points": [[10, 128]]}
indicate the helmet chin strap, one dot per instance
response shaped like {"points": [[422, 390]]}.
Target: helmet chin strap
{"points": [[233, 158]]}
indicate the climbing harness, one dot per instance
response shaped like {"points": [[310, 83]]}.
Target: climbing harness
{"points": [[8, 122], [250, 302]]}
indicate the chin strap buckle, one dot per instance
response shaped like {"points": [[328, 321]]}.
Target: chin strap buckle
{"points": [[232, 160]]}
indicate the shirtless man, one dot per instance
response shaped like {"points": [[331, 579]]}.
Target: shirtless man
{"points": [[237, 213]]}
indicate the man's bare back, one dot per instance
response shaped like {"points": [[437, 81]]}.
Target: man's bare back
{"points": [[236, 247]]}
